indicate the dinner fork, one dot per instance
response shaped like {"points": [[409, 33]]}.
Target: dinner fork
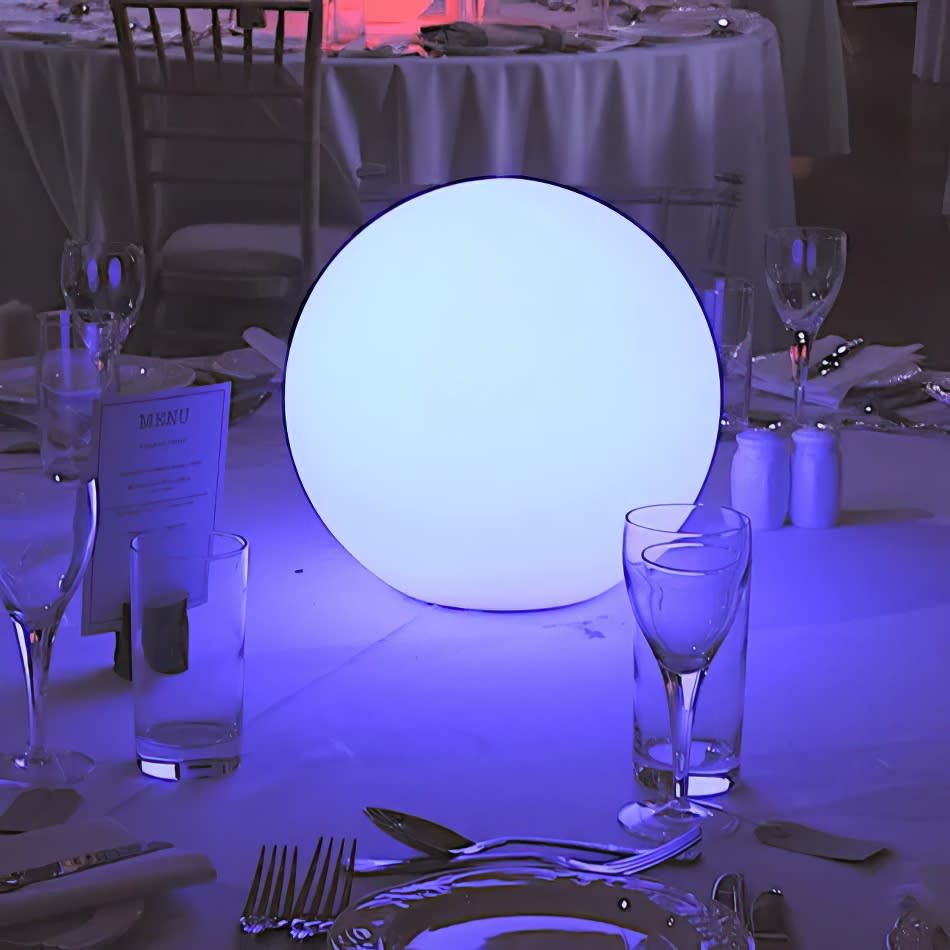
{"points": [[263, 909], [332, 892]]}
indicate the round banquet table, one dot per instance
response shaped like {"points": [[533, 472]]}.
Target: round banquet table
{"points": [[521, 723], [673, 114]]}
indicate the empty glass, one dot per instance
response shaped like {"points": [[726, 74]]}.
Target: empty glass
{"points": [[49, 529], [188, 605], [804, 269], [103, 284], [685, 568]]}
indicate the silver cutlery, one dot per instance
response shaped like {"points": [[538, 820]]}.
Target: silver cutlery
{"points": [[630, 864], [730, 890], [331, 894], [16, 880], [269, 907], [835, 358], [439, 841]]}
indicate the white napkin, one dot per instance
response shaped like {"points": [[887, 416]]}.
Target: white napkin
{"points": [[111, 883], [871, 364]]}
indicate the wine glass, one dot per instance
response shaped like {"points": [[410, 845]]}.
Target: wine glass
{"points": [[49, 528], [685, 567], [804, 269], [103, 284]]}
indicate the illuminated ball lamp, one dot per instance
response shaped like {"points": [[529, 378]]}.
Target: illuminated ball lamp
{"points": [[485, 379]]}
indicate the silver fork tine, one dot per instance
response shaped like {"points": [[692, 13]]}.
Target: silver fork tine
{"points": [[255, 884], [321, 883], [288, 911], [279, 884], [268, 879], [350, 864], [328, 903], [300, 907]]}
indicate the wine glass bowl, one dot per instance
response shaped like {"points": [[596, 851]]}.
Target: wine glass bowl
{"points": [[103, 284], [48, 533], [804, 271], [685, 569]]}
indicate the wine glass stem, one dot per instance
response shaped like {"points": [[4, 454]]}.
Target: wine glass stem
{"points": [[35, 649], [682, 690], [800, 354]]}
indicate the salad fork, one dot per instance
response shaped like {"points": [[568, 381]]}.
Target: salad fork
{"points": [[263, 909], [332, 892]]}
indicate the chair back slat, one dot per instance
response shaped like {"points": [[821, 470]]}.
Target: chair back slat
{"points": [[206, 125]]}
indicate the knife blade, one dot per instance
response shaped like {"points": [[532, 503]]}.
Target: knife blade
{"points": [[80, 862], [834, 359]]}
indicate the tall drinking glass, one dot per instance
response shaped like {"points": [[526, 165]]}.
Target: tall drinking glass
{"points": [[685, 567], [49, 528], [804, 270], [69, 386], [103, 284]]}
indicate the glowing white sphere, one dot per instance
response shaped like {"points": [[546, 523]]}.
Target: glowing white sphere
{"points": [[482, 383]]}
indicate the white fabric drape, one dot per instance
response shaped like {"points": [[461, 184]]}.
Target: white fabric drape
{"points": [[813, 65], [932, 43], [668, 115]]}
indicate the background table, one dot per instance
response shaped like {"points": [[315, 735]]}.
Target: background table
{"points": [[670, 115], [500, 723]]}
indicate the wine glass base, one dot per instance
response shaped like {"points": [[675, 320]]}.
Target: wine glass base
{"points": [[54, 769], [656, 823]]}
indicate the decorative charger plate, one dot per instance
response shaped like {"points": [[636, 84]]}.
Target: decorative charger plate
{"points": [[508, 908], [138, 376]]}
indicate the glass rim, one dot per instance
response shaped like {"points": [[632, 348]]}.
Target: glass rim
{"points": [[820, 230], [743, 525], [104, 245], [239, 545]]}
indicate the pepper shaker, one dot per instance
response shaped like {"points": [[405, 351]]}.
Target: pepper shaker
{"points": [[816, 478], [760, 478]]}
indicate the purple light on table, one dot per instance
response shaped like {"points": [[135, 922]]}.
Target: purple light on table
{"points": [[474, 434]]}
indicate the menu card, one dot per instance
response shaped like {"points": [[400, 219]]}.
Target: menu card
{"points": [[160, 462]]}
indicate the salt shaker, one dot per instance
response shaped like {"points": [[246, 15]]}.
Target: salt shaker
{"points": [[760, 478], [816, 478]]}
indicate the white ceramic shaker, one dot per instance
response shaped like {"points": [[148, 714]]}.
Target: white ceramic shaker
{"points": [[816, 478], [760, 478]]}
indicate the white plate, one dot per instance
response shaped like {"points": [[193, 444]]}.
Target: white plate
{"points": [[672, 31], [138, 376], [244, 363], [84, 930], [528, 908]]}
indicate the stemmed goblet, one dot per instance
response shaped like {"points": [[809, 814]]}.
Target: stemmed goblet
{"points": [[103, 284], [685, 567], [49, 529], [804, 270]]}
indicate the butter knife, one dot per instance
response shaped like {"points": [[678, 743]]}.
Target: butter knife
{"points": [[80, 862], [834, 359]]}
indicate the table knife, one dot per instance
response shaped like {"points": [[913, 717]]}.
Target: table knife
{"points": [[834, 359], [80, 862]]}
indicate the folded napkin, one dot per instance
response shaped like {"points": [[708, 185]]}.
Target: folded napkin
{"points": [[871, 365], [112, 883], [471, 39]]}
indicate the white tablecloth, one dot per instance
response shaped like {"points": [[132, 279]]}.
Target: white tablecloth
{"points": [[813, 64], [501, 723], [932, 44], [673, 114]]}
